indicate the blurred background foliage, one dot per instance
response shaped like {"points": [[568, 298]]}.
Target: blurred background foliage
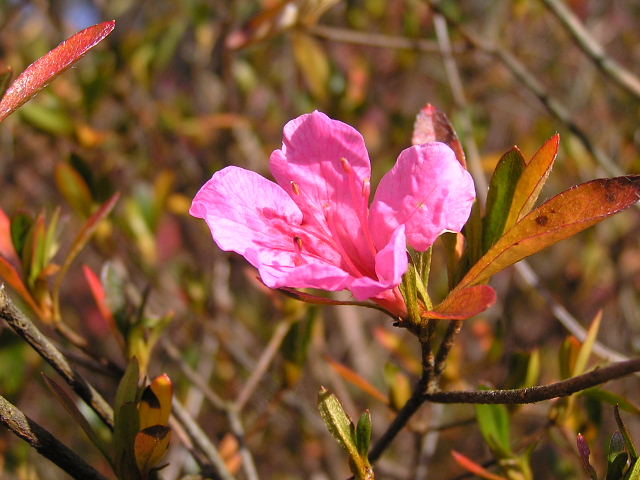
{"points": [[164, 102]]}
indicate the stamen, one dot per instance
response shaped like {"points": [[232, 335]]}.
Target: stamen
{"points": [[297, 241], [346, 166], [295, 187]]}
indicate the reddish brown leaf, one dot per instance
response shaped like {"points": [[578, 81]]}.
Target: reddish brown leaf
{"points": [[560, 217], [432, 125], [464, 303], [46, 68], [474, 468], [10, 275]]}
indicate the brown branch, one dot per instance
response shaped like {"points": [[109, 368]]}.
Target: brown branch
{"points": [[589, 45], [25, 328], [540, 393], [45, 443]]}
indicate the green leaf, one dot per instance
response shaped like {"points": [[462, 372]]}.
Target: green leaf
{"points": [[532, 180], [560, 217], [337, 421], [616, 457], [501, 190], [410, 293], [20, 226], [126, 423], [635, 471], [363, 434], [494, 425], [631, 449]]}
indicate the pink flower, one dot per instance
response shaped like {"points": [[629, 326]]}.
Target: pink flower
{"points": [[315, 228]]}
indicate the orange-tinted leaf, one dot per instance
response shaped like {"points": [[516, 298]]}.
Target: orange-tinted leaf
{"points": [[46, 68], [432, 125], [397, 346], [532, 180], [150, 445], [474, 468], [464, 303], [99, 295], [155, 404], [11, 276], [357, 380], [560, 217]]}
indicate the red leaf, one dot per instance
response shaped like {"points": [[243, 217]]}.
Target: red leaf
{"points": [[354, 378], [432, 125], [7, 250], [10, 275], [46, 68], [464, 303], [99, 295]]}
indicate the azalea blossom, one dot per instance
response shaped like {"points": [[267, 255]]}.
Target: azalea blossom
{"points": [[314, 228]]}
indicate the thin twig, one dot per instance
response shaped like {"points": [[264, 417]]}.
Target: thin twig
{"points": [[373, 39], [25, 328], [457, 90], [590, 46], [521, 73], [249, 466], [542, 392], [567, 320], [193, 376], [413, 404], [45, 443], [263, 364], [200, 440]]}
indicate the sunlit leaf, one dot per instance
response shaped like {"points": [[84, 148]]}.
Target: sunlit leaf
{"points": [[501, 191], [74, 188], [337, 421], [474, 468], [464, 303], [432, 125], [355, 379], [312, 62], [10, 275], [150, 445], [532, 180], [560, 217], [46, 68], [155, 403], [494, 424], [363, 433], [587, 346]]}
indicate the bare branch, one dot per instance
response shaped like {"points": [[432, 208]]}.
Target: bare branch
{"points": [[45, 443], [590, 46], [520, 72], [540, 393], [25, 328], [373, 39]]}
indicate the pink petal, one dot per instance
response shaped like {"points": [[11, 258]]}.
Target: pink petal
{"points": [[428, 191], [247, 212], [324, 166]]}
